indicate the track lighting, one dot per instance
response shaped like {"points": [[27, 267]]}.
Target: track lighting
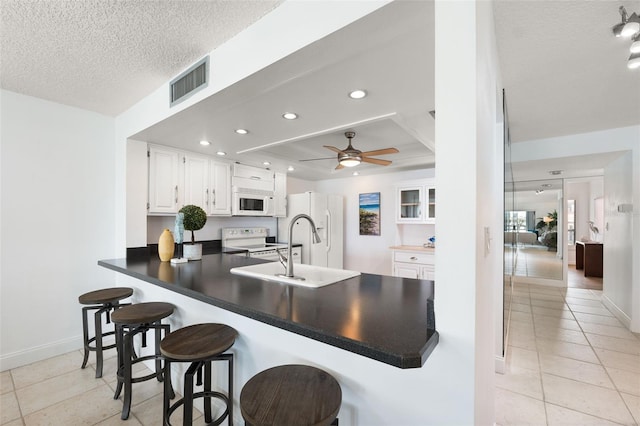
{"points": [[629, 27]]}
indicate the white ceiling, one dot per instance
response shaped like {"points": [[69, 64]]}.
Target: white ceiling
{"points": [[563, 71], [105, 55]]}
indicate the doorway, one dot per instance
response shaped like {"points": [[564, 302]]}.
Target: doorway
{"points": [[533, 232]]}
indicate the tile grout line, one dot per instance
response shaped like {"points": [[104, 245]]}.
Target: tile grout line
{"points": [[624, 402]]}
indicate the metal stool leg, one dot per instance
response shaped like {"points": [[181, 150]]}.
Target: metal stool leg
{"points": [[230, 403], [120, 351], [188, 394], [207, 388], [128, 345], [85, 336], [98, 339]]}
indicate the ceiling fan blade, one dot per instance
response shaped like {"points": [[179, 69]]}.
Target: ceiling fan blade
{"points": [[376, 161], [339, 166], [381, 152], [333, 148], [324, 158]]}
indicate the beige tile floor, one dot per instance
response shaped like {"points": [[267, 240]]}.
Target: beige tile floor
{"points": [[57, 392], [569, 362]]}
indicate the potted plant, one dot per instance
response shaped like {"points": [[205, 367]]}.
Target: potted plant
{"points": [[194, 220]]}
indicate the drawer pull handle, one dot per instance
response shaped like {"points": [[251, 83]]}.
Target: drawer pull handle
{"points": [[413, 258]]}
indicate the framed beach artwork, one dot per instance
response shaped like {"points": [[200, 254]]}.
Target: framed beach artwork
{"points": [[370, 213]]}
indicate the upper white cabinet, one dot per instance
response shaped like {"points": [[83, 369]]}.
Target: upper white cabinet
{"points": [[179, 178], [165, 167], [280, 194], [220, 189], [416, 202], [196, 181]]}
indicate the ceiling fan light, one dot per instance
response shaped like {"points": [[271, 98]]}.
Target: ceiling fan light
{"points": [[635, 46], [350, 162], [634, 61]]}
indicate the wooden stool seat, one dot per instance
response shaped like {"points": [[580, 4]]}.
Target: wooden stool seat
{"points": [[199, 341], [291, 395], [105, 295], [142, 313], [100, 302], [199, 344]]}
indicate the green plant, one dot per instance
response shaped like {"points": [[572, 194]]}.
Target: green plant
{"points": [[194, 219], [551, 224]]}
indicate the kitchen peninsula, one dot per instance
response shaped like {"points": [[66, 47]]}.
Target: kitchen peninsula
{"points": [[370, 331]]}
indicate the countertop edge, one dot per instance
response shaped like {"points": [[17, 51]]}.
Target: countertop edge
{"points": [[399, 360]]}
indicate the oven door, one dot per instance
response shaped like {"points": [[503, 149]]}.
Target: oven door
{"points": [[270, 255]]}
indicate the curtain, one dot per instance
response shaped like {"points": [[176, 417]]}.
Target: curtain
{"points": [[531, 220]]}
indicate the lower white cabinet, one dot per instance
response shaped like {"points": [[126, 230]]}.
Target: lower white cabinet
{"points": [[413, 264]]}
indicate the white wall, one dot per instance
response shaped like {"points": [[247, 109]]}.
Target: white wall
{"points": [[469, 203], [369, 253], [58, 219], [618, 242]]}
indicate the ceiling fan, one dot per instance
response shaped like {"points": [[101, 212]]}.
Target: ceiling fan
{"points": [[350, 157]]}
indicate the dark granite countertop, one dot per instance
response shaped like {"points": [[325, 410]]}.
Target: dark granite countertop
{"points": [[388, 319]]}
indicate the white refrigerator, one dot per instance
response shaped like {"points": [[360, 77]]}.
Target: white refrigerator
{"points": [[326, 210]]}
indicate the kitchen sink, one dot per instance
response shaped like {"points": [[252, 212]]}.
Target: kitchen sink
{"points": [[305, 275]]}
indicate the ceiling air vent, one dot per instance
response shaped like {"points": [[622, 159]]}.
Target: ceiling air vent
{"points": [[189, 82]]}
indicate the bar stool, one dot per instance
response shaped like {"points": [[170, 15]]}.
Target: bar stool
{"points": [[291, 395], [130, 321], [199, 344], [103, 301]]}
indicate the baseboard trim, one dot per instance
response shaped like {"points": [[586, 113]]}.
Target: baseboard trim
{"points": [[617, 312], [38, 353]]}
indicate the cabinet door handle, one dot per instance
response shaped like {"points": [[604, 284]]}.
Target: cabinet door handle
{"points": [[213, 195], [176, 192], [206, 203], [255, 177], [413, 258]]}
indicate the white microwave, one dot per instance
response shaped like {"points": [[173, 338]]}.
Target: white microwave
{"points": [[252, 202]]}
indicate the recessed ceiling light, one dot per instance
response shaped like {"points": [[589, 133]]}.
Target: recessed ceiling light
{"points": [[242, 131], [221, 153], [555, 172], [546, 185], [205, 143], [357, 94], [266, 163], [290, 168], [356, 173], [290, 115], [539, 191]]}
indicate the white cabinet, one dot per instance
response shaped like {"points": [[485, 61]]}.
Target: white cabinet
{"points": [[413, 264], [179, 178], [196, 181], [220, 189], [416, 202], [165, 169], [280, 194]]}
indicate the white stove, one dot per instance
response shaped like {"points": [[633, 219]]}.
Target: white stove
{"points": [[253, 241]]}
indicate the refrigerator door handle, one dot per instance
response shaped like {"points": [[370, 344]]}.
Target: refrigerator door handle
{"points": [[329, 230]]}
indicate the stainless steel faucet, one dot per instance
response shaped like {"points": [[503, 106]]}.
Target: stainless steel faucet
{"points": [[316, 240]]}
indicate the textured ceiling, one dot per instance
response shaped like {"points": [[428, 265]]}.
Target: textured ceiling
{"points": [[104, 55], [563, 70]]}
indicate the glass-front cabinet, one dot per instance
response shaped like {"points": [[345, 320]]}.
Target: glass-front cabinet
{"points": [[410, 204], [416, 204]]}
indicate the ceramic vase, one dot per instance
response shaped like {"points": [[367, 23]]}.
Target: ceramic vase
{"points": [[165, 246]]}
